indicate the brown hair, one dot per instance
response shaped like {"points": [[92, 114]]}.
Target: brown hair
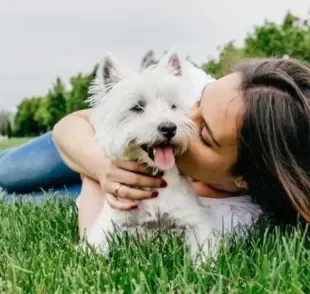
{"points": [[274, 146]]}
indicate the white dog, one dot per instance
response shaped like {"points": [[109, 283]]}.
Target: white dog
{"points": [[143, 117]]}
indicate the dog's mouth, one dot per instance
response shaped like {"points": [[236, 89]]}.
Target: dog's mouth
{"points": [[163, 154]]}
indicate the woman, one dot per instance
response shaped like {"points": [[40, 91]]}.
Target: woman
{"points": [[254, 137]]}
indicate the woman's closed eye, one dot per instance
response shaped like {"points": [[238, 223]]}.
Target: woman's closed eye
{"points": [[204, 138]]}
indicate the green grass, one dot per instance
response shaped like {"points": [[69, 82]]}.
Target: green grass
{"points": [[13, 142], [38, 255]]}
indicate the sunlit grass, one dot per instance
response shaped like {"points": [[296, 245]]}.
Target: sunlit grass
{"points": [[13, 142], [38, 255]]}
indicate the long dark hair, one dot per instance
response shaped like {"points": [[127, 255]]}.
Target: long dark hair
{"points": [[274, 146]]}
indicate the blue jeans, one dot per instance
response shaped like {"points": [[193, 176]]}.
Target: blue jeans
{"points": [[35, 167]]}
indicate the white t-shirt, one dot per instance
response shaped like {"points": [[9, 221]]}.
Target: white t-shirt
{"points": [[234, 212], [199, 79]]}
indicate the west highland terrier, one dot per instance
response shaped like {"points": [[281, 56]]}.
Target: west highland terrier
{"points": [[142, 116]]}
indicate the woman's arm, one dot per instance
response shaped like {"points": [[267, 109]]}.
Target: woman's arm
{"points": [[74, 138]]}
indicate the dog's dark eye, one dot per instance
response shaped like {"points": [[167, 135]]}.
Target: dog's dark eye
{"points": [[139, 107], [173, 106]]}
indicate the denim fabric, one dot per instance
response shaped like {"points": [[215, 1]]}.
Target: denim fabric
{"points": [[37, 166]]}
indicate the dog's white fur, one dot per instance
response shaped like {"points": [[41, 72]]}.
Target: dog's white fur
{"points": [[120, 131]]}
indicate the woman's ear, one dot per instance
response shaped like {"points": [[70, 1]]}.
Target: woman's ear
{"points": [[241, 183]]}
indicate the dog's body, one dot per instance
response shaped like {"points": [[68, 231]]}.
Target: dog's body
{"points": [[177, 207], [143, 117]]}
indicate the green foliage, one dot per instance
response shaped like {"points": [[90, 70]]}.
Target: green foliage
{"points": [[5, 123], [55, 104], [78, 94], [39, 255], [229, 56], [25, 122], [290, 38], [42, 116], [37, 115]]}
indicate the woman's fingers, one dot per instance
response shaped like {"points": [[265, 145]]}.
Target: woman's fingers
{"points": [[133, 166], [115, 203], [134, 179], [126, 192], [124, 178]]}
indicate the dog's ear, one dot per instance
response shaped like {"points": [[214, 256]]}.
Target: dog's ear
{"points": [[173, 63], [109, 72]]}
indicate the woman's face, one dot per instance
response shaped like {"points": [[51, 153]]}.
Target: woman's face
{"points": [[212, 154]]}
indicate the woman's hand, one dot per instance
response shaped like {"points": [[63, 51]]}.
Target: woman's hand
{"points": [[128, 180], [133, 181]]}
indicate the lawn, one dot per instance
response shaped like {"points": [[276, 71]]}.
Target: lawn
{"points": [[5, 144], [38, 255]]}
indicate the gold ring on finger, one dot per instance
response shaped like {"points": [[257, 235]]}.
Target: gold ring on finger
{"points": [[117, 189]]}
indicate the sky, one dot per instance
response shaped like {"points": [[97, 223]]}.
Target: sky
{"points": [[43, 39]]}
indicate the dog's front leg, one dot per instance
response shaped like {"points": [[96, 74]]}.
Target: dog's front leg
{"points": [[202, 243], [200, 236], [104, 227], [98, 233]]}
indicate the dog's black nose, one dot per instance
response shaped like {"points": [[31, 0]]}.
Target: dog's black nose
{"points": [[168, 129]]}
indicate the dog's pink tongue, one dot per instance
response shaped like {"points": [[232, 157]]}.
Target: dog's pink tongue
{"points": [[164, 158]]}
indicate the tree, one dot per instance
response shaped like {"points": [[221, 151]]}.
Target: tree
{"points": [[42, 116], [5, 122], [9, 131], [78, 94], [36, 115], [24, 122], [228, 57], [291, 38], [55, 104]]}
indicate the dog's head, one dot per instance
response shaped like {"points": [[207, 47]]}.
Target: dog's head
{"points": [[142, 115]]}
